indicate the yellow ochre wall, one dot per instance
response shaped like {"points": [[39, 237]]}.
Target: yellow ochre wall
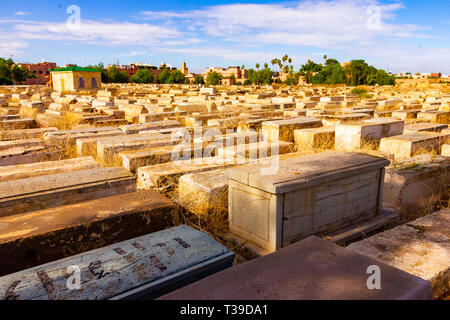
{"points": [[70, 79]]}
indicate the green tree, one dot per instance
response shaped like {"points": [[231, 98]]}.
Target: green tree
{"points": [[359, 71], [123, 77], [143, 76], [331, 61], [20, 74], [213, 78], [198, 79], [164, 76], [175, 76], [5, 68]]}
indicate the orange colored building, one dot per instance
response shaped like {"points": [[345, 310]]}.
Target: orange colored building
{"points": [[41, 69]]}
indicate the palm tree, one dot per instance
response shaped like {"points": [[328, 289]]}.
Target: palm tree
{"points": [[257, 66], [285, 57], [290, 60], [280, 65], [266, 65]]}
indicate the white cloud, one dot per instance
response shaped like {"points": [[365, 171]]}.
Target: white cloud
{"points": [[127, 54], [22, 13], [96, 32], [330, 24]]}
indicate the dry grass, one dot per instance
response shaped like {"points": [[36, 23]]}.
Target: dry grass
{"points": [[437, 200], [64, 123]]}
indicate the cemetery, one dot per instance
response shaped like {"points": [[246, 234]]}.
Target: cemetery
{"points": [[180, 191]]}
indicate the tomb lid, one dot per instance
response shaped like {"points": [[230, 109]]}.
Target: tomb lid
{"points": [[311, 269], [123, 270], [293, 121], [304, 171]]}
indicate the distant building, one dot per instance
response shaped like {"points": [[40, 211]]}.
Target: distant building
{"points": [[435, 75], [75, 78], [184, 69], [227, 81], [41, 70], [238, 73], [132, 68]]}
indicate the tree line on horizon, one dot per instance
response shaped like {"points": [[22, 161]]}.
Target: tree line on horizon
{"points": [[353, 73]]}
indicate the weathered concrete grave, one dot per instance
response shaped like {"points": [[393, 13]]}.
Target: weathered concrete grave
{"points": [[141, 268], [109, 148], [17, 124], [322, 138], [406, 114], [47, 167], [432, 127], [418, 183], [353, 136], [70, 136], [166, 175], [136, 128], [312, 269], [204, 193], [25, 133], [37, 237], [23, 155], [30, 194], [414, 143], [284, 129], [420, 247], [435, 116], [255, 150], [307, 195]]}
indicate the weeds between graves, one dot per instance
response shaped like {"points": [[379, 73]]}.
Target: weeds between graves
{"points": [[64, 122], [436, 201]]}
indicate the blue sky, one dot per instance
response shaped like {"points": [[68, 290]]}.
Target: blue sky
{"points": [[408, 35]]}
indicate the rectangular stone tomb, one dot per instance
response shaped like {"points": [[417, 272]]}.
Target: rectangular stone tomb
{"points": [[141, 268], [435, 116], [70, 136], [136, 128], [23, 155], [166, 175], [414, 143], [30, 194], [33, 238], [420, 247], [26, 143], [302, 196], [204, 193], [417, 183], [107, 148], [312, 269], [134, 159], [17, 124], [25, 133], [47, 167], [284, 129], [353, 136], [432, 127], [322, 138], [255, 150]]}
